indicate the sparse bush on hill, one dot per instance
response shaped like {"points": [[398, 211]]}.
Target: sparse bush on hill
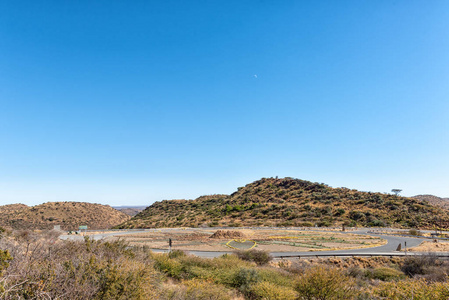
{"points": [[289, 202], [69, 215]]}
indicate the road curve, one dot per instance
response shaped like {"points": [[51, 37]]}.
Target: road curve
{"points": [[387, 249]]}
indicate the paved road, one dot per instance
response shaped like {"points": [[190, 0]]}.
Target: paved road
{"points": [[99, 236], [387, 249]]}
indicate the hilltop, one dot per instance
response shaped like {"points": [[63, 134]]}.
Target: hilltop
{"points": [[434, 200], [289, 202], [67, 214]]}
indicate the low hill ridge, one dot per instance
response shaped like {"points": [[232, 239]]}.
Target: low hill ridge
{"points": [[434, 200], [69, 215], [289, 202]]}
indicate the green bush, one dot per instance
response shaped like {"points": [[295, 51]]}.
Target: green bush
{"points": [[384, 274], [325, 283], [411, 289], [171, 267], [5, 257], [340, 212], [244, 279], [269, 291], [176, 254], [276, 276], [4, 263], [203, 290], [414, 232], [324, 224], [376, 223], [260, 257], [356, 215]]}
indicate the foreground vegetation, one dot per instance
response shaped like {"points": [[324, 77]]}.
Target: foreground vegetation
{"points": [[290, 202], [40, 267]]}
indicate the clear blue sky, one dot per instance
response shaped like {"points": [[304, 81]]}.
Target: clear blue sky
{"points": [[130, 102]]}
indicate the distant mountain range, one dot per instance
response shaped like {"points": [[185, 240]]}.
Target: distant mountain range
{"points": [[290, 202], [130, 210], [69, 215]]}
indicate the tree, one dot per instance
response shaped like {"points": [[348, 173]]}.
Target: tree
{"points": [[396, 191]]}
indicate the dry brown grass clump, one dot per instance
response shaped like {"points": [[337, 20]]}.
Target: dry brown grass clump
{"points": [[227, 234]]}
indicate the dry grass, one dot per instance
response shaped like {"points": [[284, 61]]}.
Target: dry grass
{"points": [[266, 239], [431, 246], [69, 215]]}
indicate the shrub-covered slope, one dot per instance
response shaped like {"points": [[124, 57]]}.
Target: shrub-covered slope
{"points": [[289, 202], [434, 200], [67, 214]]}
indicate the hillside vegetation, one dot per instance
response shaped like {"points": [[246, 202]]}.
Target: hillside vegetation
{"points": [[289, 202], [67, 214], [434, 200]]}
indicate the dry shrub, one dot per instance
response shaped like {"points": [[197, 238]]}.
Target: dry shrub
{"points": [[295, 267], [46, 269], [168, 266], [322, 282], [227, 234], [426, 266], [198, 289], [270, 291], [260, 257], [414, 232], [417, 289], [279, 277], [384, 274], [176, 253], [244, 280], [194, 289], [363, 262]]}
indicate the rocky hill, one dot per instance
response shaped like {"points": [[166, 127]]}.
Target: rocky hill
{"points": [[130, 210], [67, 214], [434, 200], [289, 202]]}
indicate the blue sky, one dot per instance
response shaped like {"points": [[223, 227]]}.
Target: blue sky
{"points": [[131, 102]]}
